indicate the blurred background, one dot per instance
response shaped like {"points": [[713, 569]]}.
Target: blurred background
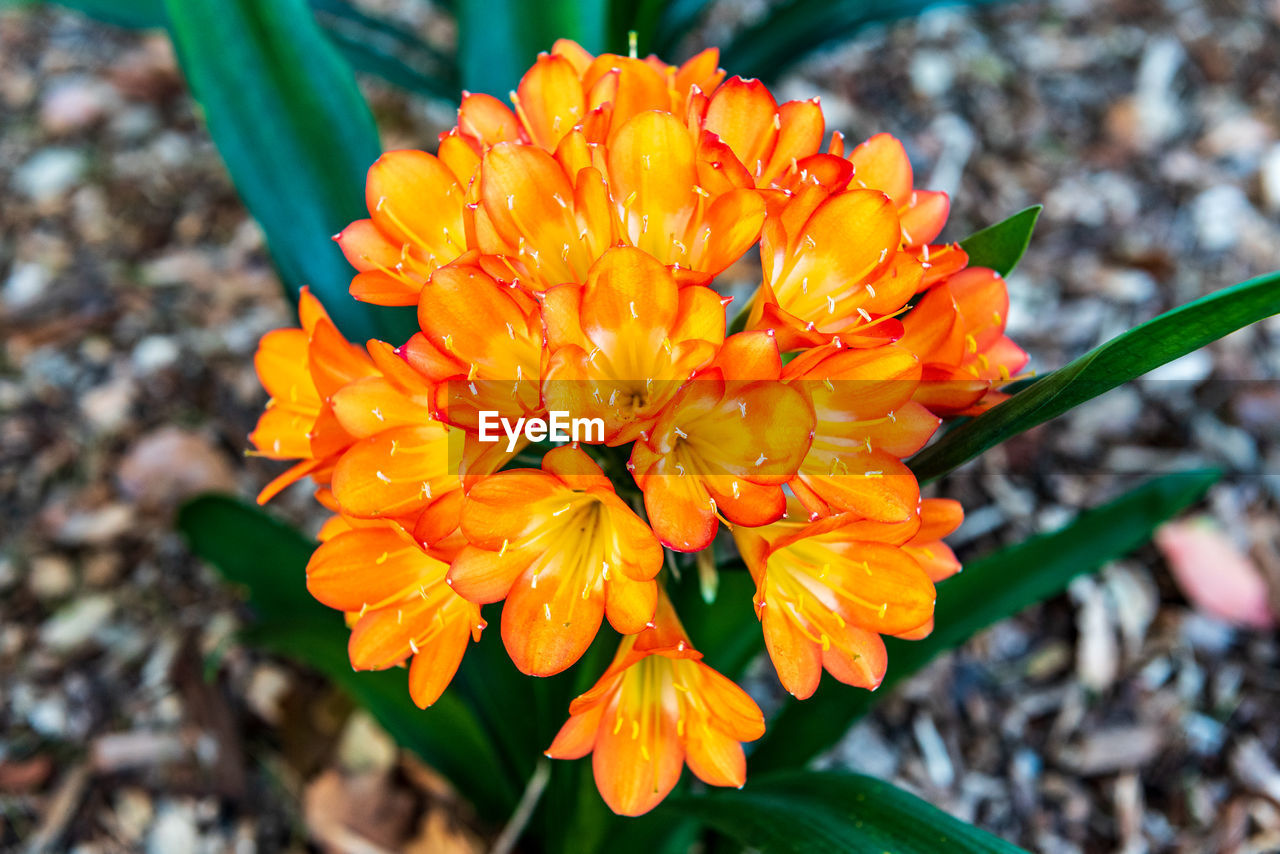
{"points": [[1135, 714]]}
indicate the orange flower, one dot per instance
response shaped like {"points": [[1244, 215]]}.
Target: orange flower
{"points": [[768, 139], [416, 206], [545, 220], [957, 330], [866, 423], [827, 590], [570, 89], [401, 604], [725, 444], [656, 708], [820, 286], [301, 369], [564, 551], [621, 344]]}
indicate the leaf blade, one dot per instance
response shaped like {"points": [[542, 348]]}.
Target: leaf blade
{"points": [[269, 559], [1001, 246], [295, 133], [809, 812]]}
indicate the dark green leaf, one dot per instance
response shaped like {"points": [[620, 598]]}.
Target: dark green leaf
{"points": [[380, 47], [1002, 245], [793, 30], [833, 813], [677, 19], [269, 559], [990, 589], [499, 39], [1143, 348], [296, 135]]}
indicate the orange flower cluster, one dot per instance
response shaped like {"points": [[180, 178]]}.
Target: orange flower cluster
{"points": [[562, 256]]}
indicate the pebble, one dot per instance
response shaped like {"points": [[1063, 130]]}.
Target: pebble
{"points": [[106, 407], [1270, 175], [51, 576], [155, 353], [170, 464], [267, 690], [76, 623], [364, 746], [95, 527], [26, 283], [75, 103], [1220, 215], [50, 173], [1105, 751], [174, 830]]}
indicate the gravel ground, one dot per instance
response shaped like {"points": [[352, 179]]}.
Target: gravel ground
{"points": [[133, 288]]}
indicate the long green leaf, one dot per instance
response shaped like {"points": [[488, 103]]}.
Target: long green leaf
{"points": [[269, 560], [793, 30], [1001, 246], [369, 44], [1131, 354], [499, 39], [295, 133], [990, 589], [834, 813]]}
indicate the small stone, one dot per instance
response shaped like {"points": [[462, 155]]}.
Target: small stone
{"points": [[1106, 751], [95, 527], [170, 464], [174, 830], [364, 746], [931, 74], [1270, 174], [76, 103], [76, 623], [49, 173], [267, 690], [51, 576], [1221, 214], [155, 353], [106, 407], [25, 285]]}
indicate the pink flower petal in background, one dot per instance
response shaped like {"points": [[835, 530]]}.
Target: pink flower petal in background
{"points": [[1214, 575]]}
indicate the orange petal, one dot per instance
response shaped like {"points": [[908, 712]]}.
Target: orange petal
{"points": [[881, 163], [396, 471], [547, 627], [796, 658], [635, 774], [435, 665], [366, 567], [578, 735], [742, 113], [549, 100], [715, 757]]}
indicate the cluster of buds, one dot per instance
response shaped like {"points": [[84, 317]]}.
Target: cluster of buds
{"points": [[563, 259]]}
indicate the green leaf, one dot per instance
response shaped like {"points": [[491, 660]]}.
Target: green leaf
{"points": [[269, 559], [677, 18], [296, 135], [834, 813], [793, 30], [1131, 354], [499, 39], [989, 590], [377, 46], [1002, 245]]}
